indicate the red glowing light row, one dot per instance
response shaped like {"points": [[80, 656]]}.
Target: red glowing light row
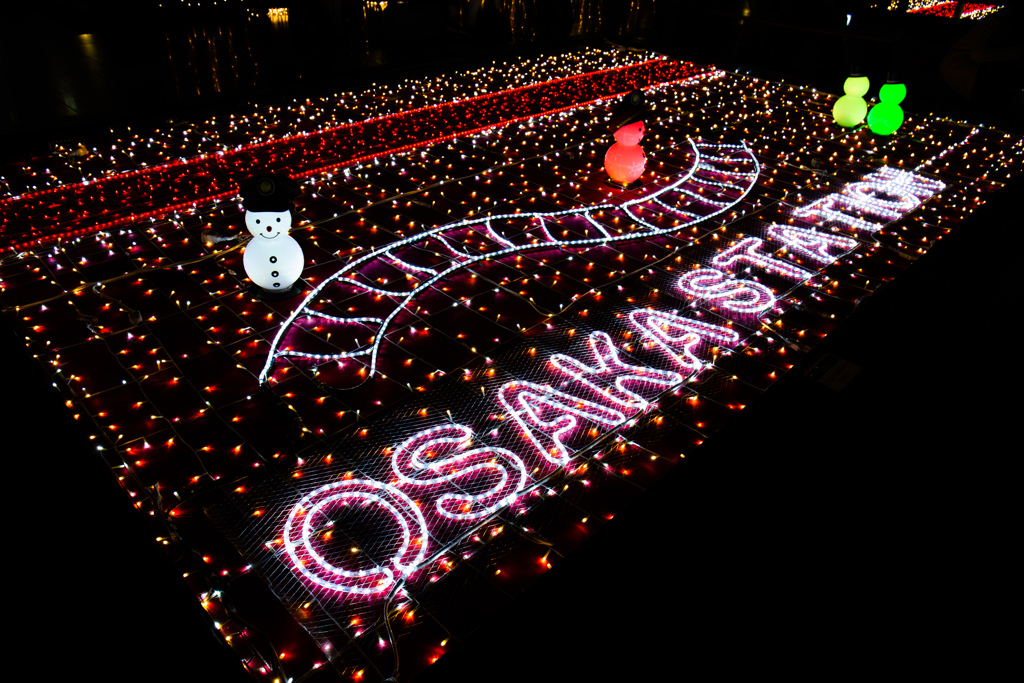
{"points": [[948, 9], [81, 208]]}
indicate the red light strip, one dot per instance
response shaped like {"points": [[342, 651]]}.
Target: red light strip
{"points": [[444, 138], [36, 208]]}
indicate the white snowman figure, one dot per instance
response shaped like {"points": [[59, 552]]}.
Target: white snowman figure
{"points": [[273, 260]]}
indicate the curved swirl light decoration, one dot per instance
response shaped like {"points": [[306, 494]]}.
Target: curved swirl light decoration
{"points": [[718, 178]]}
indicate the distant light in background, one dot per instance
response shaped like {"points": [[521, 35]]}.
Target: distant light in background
{"points": [[278, 15]]}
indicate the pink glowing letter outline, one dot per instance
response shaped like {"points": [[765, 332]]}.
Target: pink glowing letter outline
{"points": [[440, 457], [739, 296]]}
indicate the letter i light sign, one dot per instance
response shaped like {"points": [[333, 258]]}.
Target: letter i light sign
{"points": [[484, 324]]}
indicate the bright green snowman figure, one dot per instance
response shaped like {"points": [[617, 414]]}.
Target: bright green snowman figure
{"points": [[850, 109], [886, 116]]}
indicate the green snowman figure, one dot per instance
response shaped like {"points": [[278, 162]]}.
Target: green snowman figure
{"points": [[886, 116], [850, 109]]}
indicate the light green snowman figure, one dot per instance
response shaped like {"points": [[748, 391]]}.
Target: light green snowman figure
{"points": [[886, 116], [850, 109]]}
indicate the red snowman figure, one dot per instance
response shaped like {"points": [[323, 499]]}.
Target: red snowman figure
{"points": [[625, 160]]}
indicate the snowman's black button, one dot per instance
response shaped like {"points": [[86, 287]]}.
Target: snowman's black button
{"points": [[273, 274], [273, 259], [277, 284]]}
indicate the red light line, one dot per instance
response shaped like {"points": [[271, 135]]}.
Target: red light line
{"points": [[191, 171]]}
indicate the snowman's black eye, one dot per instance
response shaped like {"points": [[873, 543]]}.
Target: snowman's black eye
{"points": [[278, 220], [257, 221]]}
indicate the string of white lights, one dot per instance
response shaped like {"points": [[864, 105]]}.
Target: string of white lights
{"points": [[608, 361], [463, 260], [669, 331], [740, 296], [703, 198], [747, 251], [494, 233], [437, 457], [527, 402], [416, 462], [548, 416], [408, 267], [824, 210], [544, 229], [310, 519], [811, 243], [887, 193]]}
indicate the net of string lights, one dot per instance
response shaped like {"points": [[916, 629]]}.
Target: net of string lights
{"points": [[493, 349], [946, 8]]}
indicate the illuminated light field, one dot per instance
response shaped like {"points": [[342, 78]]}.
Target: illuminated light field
{"points": [[74, 209], [492, 349]]}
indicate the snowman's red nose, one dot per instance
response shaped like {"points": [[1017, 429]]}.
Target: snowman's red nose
{"points": [[270, 228]]}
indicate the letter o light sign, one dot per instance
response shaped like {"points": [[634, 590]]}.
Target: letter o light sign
{"points": [[310, 520]]}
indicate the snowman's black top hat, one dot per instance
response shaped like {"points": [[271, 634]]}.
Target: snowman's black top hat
{"points": [[269, 192], [632, 108]]}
